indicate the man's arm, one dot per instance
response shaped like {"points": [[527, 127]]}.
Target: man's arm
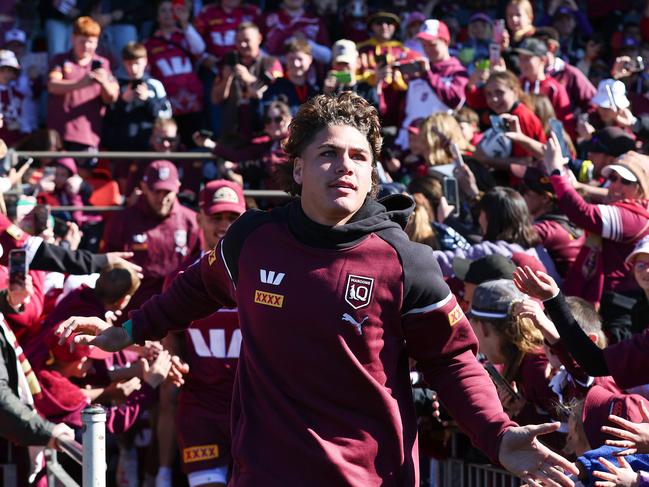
{"points": [[56, 85]]}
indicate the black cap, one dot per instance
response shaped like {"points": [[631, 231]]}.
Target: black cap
{"points": [[537, 181], [612, 141], [532, 47], [487, 268], [547, 34]]}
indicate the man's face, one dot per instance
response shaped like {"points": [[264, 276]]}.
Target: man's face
{"points": [[61, 176], [480, 30], [165, 138], [383, 29], [161, 201], [435, 49], [536, 203], [608, 115], [248, 42], [215, 226], [135, 67], [84, 46], [345, 67], [564, 24], [166, 16], [298, 63], [532, 67], [335, 172]]}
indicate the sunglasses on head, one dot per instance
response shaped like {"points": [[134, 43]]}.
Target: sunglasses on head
{"points": [[277, 119], [614, 178]]}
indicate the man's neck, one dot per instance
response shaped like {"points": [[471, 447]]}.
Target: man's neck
{"points": [[297, 80]]}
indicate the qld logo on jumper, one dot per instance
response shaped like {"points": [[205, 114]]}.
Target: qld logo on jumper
{"points": [[358, 292]]}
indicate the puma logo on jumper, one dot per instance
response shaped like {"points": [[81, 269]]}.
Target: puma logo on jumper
{"points": [[358, 326]]}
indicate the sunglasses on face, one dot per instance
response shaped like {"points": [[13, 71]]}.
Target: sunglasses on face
{"points": [[269, 120], [171, 140], [614, 178], [641, 266]]}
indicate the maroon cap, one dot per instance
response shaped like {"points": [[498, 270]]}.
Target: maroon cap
{"points": [[599, 404], [433, 29], [221, 195], [162, 175], [68, 163], [62, 353]]}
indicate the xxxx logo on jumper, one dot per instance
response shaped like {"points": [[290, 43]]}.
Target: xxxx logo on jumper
{"points": [[358, 292], [269, 299], [199, 453]]}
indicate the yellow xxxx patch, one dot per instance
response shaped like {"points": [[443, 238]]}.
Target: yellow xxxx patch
{"points": [[199, 453], [456, 315], [269, 299]]}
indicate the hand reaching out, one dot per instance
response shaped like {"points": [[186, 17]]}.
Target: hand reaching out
{"points": [[622, 476], [634, 437], [539, 285]]}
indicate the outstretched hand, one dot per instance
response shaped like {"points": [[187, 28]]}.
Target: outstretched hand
{"points": [[537, 284], [525, 456], [622, 476], [634, 436], [93, 331]]}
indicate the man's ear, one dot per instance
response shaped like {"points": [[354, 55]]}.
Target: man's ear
{"points": [[298, 166]]}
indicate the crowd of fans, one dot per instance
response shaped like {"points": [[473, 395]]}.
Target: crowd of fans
{"points": [[519, 129]]}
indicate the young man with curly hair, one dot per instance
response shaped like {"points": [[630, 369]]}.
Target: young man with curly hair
{"points": [[332, 299]]}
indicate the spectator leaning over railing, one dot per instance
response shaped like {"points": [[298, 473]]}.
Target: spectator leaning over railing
{"points": [[80, 85]]}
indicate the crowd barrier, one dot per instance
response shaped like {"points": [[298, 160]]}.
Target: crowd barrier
{"points": [[91, 456]]}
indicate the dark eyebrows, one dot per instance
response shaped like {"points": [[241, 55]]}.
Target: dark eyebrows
{"points": [[337, 147]]}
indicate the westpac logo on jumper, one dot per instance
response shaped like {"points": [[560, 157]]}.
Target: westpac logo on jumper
{"points": [[271, 277]]}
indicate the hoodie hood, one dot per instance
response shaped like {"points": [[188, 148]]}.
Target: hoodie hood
{"points": [[392, 211]]}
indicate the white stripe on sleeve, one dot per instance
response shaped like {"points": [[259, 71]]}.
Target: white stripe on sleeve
{"points": [[430, 307]]}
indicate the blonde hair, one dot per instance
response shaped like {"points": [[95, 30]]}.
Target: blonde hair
{"points": [[521, 337], [419, 228], [438, 132]]}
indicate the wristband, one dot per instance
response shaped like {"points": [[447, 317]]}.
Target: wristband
{"points": [[128, 327]]}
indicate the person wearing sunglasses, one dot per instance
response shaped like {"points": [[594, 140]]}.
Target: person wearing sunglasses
{"points": [[601, 274], [255, 161]]}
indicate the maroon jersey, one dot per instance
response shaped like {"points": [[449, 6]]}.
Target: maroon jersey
{"points": [[219, 28], [77, 116], [159, 245], [170, 62], [329, 316], [279, 26]]}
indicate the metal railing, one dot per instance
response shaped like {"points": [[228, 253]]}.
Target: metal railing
{"points": [[91, 456], [14, 156]]}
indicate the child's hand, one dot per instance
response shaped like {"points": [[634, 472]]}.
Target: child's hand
{"points": [[634, 436], [622, 476], [538, 285], [532, 309]]}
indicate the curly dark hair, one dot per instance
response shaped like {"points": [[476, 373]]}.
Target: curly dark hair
{"points": [[323, 111]]}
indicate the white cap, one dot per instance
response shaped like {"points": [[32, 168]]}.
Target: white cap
{"points": [[642, 247], [8, 59], [344, 51], [618, 90], [15, 35], [624, 172]]}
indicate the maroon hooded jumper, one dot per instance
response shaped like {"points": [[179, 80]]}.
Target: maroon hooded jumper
{"points": [[329, 316]]}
